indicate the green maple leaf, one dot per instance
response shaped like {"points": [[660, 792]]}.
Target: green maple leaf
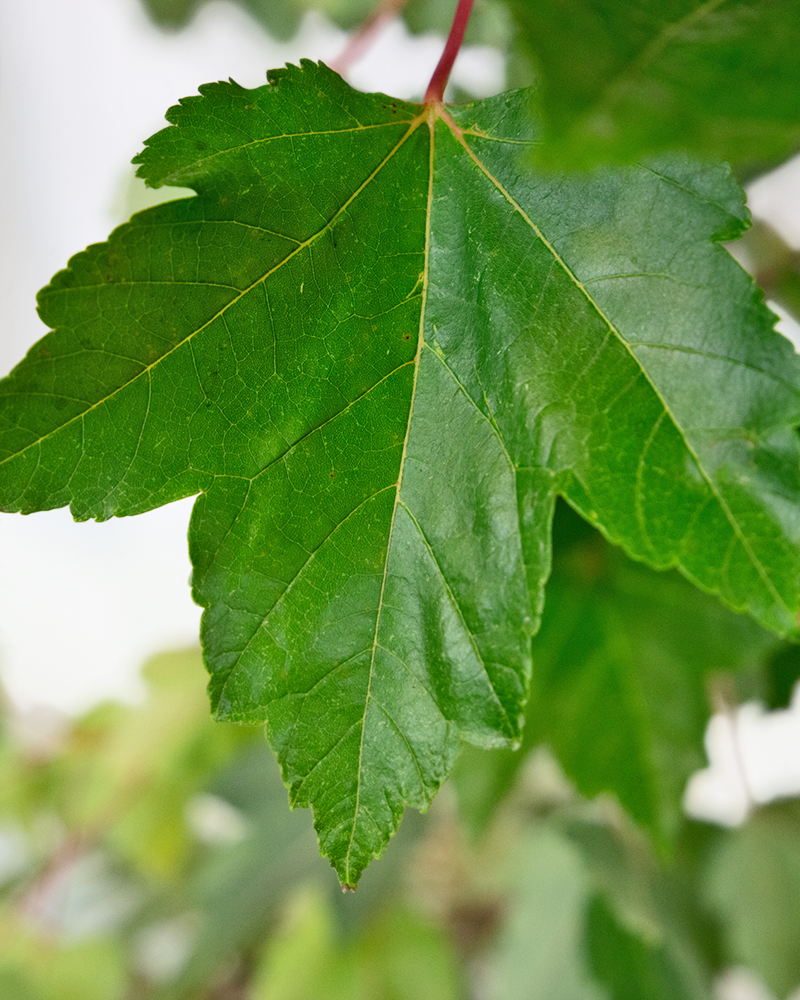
{"points": [[378, 347]]}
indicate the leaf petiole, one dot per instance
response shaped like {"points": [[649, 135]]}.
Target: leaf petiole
{"points": [[435, 92]]}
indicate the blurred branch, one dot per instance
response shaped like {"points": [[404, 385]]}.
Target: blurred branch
{"points": [[363, 37], [773, 263]]}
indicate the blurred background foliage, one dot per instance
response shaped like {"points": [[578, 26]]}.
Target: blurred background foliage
{"points": [[148, 852]]}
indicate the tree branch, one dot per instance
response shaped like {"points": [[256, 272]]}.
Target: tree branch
{"points": [[365, 35]]}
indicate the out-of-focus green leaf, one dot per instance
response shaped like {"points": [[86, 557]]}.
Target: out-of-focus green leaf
{"points": [[644, 912], [58, 970], [136, 768], [397, 956], [753, 886], [281, 18], [126, 773], [14, 987], [781, 675], [540, 951], [774, 265], [619, 686], [629, 966], [239, 889], [621, 80], [489, 24]]}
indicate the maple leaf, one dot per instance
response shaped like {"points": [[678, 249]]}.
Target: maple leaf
{"points": [[379, 346]]}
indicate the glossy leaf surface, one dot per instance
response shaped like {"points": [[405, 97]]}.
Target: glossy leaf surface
{"points": [[378, 347]]}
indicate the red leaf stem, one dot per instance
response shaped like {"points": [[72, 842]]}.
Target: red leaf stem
{"points": [[435, 92]]}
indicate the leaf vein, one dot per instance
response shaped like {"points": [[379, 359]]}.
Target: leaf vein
{"points": [[312, 239], [765, 578], [457, 608]]}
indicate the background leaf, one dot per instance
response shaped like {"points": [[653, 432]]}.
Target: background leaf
{"points": [[752, 884], [489, 24], [619, 81], [624, 663]]}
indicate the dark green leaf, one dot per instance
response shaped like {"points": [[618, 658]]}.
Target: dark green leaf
{"points": [[620, 80], [631, 967], [781, 675], [378, 348]]}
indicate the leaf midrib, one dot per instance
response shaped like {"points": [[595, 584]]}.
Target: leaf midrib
{"points": [[429, 116]]}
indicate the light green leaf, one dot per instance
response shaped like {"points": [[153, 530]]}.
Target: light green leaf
{"points": [[379, 347], [540, 952], [752, 884]]}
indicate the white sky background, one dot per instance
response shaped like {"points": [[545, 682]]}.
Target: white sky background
{"points": [[82, 83]]}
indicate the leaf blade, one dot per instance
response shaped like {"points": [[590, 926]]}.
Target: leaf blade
{"points": [[405, 346]]}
